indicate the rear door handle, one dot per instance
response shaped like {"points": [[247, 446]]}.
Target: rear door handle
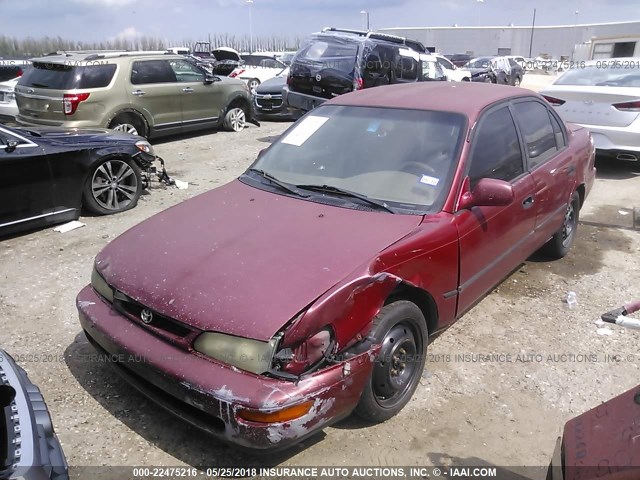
{"points": [[187, 90], [528, 202], [137, 93]]}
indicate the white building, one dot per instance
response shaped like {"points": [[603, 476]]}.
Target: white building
{"points": [[602, 40]]}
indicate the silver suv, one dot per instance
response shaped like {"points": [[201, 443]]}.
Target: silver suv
{"points": [[145, 93]]}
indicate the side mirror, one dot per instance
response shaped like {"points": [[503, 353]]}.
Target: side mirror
{"points": [[488, 192], [11, 146], [262, 152], [209, 79]]}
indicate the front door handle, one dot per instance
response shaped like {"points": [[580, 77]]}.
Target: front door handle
{"points": [[138, 93], [528, 202], [187, 90]]}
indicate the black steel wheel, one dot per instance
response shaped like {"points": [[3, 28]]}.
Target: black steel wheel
{"points": [[565, 237], [401, 329]]}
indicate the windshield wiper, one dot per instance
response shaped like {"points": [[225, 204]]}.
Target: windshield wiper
{"points": [[346, 193], [279, 183]]}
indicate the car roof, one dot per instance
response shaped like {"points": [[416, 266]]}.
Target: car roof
{"points": [[467, 98], [77, 58]]}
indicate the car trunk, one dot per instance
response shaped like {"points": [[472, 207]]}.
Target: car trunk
{"points": [[325, 67], [39, 92], [593, 105]]}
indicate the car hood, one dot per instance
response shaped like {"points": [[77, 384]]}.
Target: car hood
{"points": [[273, 85], [81, 135], [244, 261]]}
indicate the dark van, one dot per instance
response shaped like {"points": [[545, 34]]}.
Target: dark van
{"points": [[338, 61]]}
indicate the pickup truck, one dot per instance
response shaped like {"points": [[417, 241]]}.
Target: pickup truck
{"points": [[308, 288]]}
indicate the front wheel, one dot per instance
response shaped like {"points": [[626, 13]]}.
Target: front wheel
{"points": [[114, 185], [253, 84], [561, 242], [516, 82], [401, 329], [235, 119]]}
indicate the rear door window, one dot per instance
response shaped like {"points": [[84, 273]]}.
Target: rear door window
{"points": [[152, 71], [536, 127], [97, 76]]}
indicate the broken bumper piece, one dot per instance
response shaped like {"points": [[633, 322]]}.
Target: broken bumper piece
{"points": [[252, 411]]}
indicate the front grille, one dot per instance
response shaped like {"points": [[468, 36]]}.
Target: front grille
{"points": [[166, 327], [269, 102]]}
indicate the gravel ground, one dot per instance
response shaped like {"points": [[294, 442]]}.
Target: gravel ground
{"points": [[498, 387]]}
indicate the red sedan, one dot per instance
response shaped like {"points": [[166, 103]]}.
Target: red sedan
{"points": [[307, 289]]}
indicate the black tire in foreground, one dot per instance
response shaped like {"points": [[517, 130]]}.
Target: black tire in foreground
{"points": [[113, 185], [561, 242], [402, 330]]}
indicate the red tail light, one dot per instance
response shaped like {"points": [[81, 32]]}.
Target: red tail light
{"points": [[358, 84], [236, 73], [20, 72], [289, 80], [628, 106], [70, 102], [553, 101]]}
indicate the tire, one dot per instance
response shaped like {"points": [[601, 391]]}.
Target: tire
{"points": [[402, 330], [516, 82], [113, 185], [253, 84], [235, 119], [129, 123], [563, 240]]}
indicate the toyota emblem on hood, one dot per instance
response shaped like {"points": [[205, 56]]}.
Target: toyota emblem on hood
{"points": [[146, 316]]}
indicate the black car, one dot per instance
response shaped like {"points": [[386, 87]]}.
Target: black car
{"points": [[29, 447], [48, 174], [337, 61], [11, 68]]}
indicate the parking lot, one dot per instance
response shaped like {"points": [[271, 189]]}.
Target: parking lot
{"points": [[498, 386]]}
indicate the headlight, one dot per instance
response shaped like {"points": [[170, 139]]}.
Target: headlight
{"points": [[145, 147], [245, 353], [306, 355], [101, 286]]}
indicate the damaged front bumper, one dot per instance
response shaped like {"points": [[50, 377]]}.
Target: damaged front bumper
{"points": [[211, 395]]}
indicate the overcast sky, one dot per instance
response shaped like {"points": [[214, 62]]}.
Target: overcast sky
{"points": [[174, 20]]}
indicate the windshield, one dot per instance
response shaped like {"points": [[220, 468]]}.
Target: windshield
{"points": [[603, 74], [405, 158], [330, 52]]}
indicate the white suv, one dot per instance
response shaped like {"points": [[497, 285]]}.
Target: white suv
{"points": [[453, 73]]}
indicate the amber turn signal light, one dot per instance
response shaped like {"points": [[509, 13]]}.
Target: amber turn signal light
{"points": [[284, 415]]}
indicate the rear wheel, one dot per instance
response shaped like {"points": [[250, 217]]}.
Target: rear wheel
{"points": [[129, 123], [235, 119], [114, 185], [401, 329], [561, 242]]}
